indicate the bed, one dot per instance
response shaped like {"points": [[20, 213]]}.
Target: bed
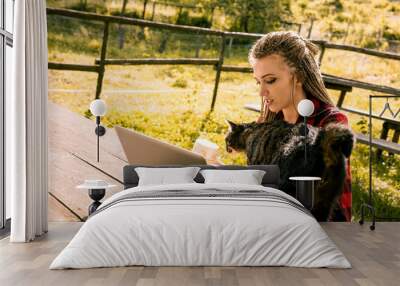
{"points": [[201, 224]]}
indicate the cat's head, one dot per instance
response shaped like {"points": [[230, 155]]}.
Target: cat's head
{"points": [[235, 140]]}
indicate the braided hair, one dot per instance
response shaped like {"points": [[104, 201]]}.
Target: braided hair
{"points": [[299, 54]]}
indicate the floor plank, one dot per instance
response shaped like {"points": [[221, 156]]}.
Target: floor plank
{"points": [[374, 255], [57, 212]]}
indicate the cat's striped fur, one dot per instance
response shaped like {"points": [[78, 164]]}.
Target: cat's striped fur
{"points": [[281, 143]]}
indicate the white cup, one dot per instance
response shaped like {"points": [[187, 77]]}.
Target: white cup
{"points": [[206, 148], [96, 183]]}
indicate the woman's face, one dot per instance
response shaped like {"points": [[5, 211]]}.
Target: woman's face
{"points": [[275, 79]]}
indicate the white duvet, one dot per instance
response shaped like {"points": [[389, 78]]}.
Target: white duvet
{"points": [[200, 231]]}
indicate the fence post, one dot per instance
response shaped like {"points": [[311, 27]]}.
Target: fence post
{"points": [[230, 46], [121, 30], [164, 40], [341, 98], [102, 59], [144, 8], [179, 15], [347, 32], [321, 55], [212, 16], [384, 135], [198, 45], [218, 74], [310, 29], [153, 10]]}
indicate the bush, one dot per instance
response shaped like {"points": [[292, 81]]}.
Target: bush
{"points": [[391, 35], [94, 44], [370, 43], [337, 5], [92, 7], [341, 18], [129, 14], [335, 31], [180, 82], [185, 19], [394, 8]]}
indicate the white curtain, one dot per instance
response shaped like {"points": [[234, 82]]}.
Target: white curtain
{"points": [[26, 123]]}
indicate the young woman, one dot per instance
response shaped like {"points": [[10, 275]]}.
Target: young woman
{"points": [[285, 68]]}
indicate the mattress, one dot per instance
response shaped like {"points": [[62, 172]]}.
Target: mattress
{"points": [[201, 225]]}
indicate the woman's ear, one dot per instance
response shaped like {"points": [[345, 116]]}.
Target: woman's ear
{"points": [[297, 80]]}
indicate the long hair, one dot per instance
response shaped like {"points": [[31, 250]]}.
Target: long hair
{"points": [[299, 54]]}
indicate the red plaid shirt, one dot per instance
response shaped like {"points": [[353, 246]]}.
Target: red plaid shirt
{"points": [[324, 114]]}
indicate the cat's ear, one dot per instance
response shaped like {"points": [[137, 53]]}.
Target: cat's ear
{"points": [[231, 125]]}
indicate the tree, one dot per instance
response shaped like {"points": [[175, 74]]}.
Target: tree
{"points": [[257, 16], [83, 4]]}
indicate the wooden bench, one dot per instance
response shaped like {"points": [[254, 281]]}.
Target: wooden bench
{"points": [[382, 143], [391, 147]]}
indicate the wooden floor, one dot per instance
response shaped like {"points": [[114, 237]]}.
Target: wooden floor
{"points": [[72, 159], [374, 255]]}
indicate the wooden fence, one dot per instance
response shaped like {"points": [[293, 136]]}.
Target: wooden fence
{"points": [[99, 65], [334, 82]]}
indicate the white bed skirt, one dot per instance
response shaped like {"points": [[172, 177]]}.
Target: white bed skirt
{"points": [[200, 232]]}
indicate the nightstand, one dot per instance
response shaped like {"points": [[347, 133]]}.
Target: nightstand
{"points": [[96, 190], [305, 187]]}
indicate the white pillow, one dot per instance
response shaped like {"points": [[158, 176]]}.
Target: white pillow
{"points": [[163, 176], [249, 177]]}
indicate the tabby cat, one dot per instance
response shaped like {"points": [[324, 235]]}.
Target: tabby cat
{"points": [[282, 144]]}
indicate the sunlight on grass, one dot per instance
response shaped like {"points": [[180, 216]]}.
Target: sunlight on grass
{"points": [[145, 99], [172, 103]]}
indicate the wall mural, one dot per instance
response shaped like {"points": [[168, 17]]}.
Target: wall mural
{"points": [[133, 82]]}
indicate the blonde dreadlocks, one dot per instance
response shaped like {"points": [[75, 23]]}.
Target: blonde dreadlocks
{"points": [[299, 54]]}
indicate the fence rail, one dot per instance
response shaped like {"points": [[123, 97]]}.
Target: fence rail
{"points": [[73, 67], [334, 82], [150, 61], [386, 55]]}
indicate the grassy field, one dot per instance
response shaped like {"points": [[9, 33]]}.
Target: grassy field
{"points": [[172, 102]]}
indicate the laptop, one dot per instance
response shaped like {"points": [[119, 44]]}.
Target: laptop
{"points": [[144, 150]]}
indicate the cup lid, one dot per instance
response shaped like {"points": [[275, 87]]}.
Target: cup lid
{"points": [[95, 184]]}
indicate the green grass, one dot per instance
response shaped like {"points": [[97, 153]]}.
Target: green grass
{"points": [[180, 115], [172, 102]]}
